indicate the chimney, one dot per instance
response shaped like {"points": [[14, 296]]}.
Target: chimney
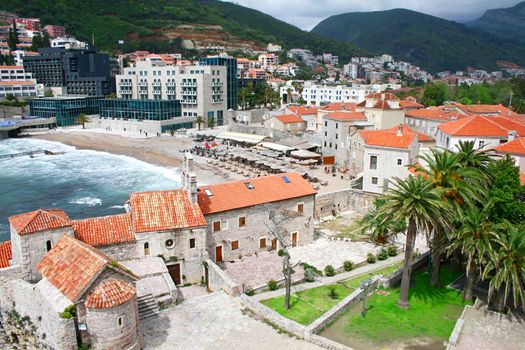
{"points": [[189, 179], [400, 130], [512, 135]]}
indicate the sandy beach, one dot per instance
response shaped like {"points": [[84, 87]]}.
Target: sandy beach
{"points": [[164, 151]]}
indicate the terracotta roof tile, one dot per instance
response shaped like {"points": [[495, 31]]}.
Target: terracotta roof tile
{"points": [[339, 106], [477, 125], [289, 118], [105, 230], [267, 189], [516, 146], [6, 254], [410, 104], [389, 138], [383, 96], [110, 293], [346, 116], [72, 265], [484, 109], [164, 210], [303, 110], [39, 220], [434, 114]]}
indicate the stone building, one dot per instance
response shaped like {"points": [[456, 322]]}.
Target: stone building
{"points": [[289, 123], [382, 109]]}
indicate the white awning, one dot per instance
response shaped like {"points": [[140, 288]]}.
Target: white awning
{"points": [[276, 146], [240, 137], [304, 154]]}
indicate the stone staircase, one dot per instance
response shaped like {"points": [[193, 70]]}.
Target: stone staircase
{"points": [[148, 306]]}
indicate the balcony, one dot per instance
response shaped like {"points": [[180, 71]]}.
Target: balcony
{"points": [[170, 84], [157, 92], [156, 83], [188, 102], [217, 84], [189, 93], [219, 100], [124, 83], [170, 92], [189, 84], [143, 83]]}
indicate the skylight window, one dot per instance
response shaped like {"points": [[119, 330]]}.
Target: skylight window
{"points": [[286, 179], [248, 185], [208, 192]]}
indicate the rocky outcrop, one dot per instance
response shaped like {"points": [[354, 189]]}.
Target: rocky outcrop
{"points": [[19, 333], [507, 23]]}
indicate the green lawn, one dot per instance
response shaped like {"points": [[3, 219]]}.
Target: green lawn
{"points": [[433, 313], [308, 305]]}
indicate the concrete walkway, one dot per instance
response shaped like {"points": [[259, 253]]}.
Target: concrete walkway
{"points": [[321, 281]]}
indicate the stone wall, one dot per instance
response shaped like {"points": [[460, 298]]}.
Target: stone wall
{"points": [[9, 111], [327, 204], [219, 280], [7, 275], [120, 252]]}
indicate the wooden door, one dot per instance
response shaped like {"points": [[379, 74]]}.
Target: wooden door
{"points": [[274, 244], [294, 239], [218, 254], [174, 271]]}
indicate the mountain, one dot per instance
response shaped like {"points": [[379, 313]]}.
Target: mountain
{"points": [[159, 25], [433, 43], [508, 23]]}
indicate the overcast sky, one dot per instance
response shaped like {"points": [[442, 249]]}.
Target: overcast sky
{"points": [[307, 13]]}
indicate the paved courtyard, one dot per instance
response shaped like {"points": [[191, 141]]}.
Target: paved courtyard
{"points": [[213, 321]]}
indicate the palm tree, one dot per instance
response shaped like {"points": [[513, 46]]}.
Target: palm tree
{"points": [[447, 175], [507, 266], [416, 201], [289, 95], [211, 122], [199, 120], [244, 94], [83, 119], [475, 240], [375, 225]]}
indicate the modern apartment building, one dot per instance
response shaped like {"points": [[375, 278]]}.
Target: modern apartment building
{"points": [[231, 75], [201, 90], [15, 81], [55, 31], [79, 72]]}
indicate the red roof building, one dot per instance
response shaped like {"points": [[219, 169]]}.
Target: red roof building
{"points": [[481, 126], [514, 147], [106, 230], [110, 293], [39, 220], [347, 116], [289, 118], [6, 254], [400, 136]]}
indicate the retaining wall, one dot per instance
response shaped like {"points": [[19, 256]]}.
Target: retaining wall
{"points": [[327, 204], [219, 280]]}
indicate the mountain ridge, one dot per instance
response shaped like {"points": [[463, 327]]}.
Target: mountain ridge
{"points": [[507, 23]]}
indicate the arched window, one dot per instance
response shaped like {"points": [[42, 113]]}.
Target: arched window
{"points": [[49, 245], [146, 248], [120, 321]]}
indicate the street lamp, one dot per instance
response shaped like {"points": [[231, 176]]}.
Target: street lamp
{"points": [[365, 285]]}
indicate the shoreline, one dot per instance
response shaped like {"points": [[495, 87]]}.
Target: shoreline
{"points": [[161, 151]]}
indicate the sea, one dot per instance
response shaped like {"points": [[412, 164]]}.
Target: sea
{"points": [[84, 183]]}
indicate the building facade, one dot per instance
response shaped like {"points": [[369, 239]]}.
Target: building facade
{"points": [[66, 110], [231, 76]]}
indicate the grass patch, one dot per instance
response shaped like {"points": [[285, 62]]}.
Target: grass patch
{"points": [[433, 312], [385, 271]]}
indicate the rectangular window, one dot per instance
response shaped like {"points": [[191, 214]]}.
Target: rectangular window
{"points": [[242, 221], [373, 162], [192, 242], [399, 161], [235, 245], [216, 226], [300, 208], [481, 144], [374, 181], [262, 243]]}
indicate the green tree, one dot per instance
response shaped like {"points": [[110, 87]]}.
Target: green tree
{"points": [[49, 93], [211, 122], [418, 203], [83, 119], [435, 94], [506, 267], [12, 38], [465, 101], [375, 225], [199, 121]]}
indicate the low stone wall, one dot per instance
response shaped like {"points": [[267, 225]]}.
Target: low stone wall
{"points": [[10, 111], [219, 280], [327, 204], [456, 332], [395, 278]]}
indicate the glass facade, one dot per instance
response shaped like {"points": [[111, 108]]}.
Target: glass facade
{"points": [[231, 75], [65, 109], [140, 109]]}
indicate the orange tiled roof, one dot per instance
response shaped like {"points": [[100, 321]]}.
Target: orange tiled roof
{"points": [[339, 106], [410, 104], [516, 146], [6, 254], [477, 125], [390, 138], [289, 118], [347, 116], [72, 265], [105, 230], [484, 109], [110, 293], [267, 189], [164, 210], [39, 220], [383, 96], [434, 114], [303, 110]]}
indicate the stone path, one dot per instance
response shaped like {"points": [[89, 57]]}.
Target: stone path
{"points": [[320, 281], [214, 321], [486, 330], [190, 292]]}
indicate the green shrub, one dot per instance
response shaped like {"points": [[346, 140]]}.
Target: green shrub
{"points": [[309, 275], [392, 250], [370, 258], [272, 284], [348, 265], [313, 268], [249, 291], [329, 270], [382, 254], [280, 252], [333, 293], [69, 312]]}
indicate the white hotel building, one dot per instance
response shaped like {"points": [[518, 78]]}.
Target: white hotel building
{"points": [[15, 81], [201, 90], [313, 94]]}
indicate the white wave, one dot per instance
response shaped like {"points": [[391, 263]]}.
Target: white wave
{"points": [[118, 207], [90, 201]]}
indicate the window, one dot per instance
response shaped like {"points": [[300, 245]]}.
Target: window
{"points": [[242, 221], [248, 185], [216, 226], [481, 144], [374, 181], [373, 162], [300, 208], [262, 243], [208, 192], [325, 123], [49, 245], [192, 242], [399, 161], [169, 243], [146, 248], [120, 321], [235, 245]]}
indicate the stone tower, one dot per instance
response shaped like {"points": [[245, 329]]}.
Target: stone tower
{"points": [[188, 177]]}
